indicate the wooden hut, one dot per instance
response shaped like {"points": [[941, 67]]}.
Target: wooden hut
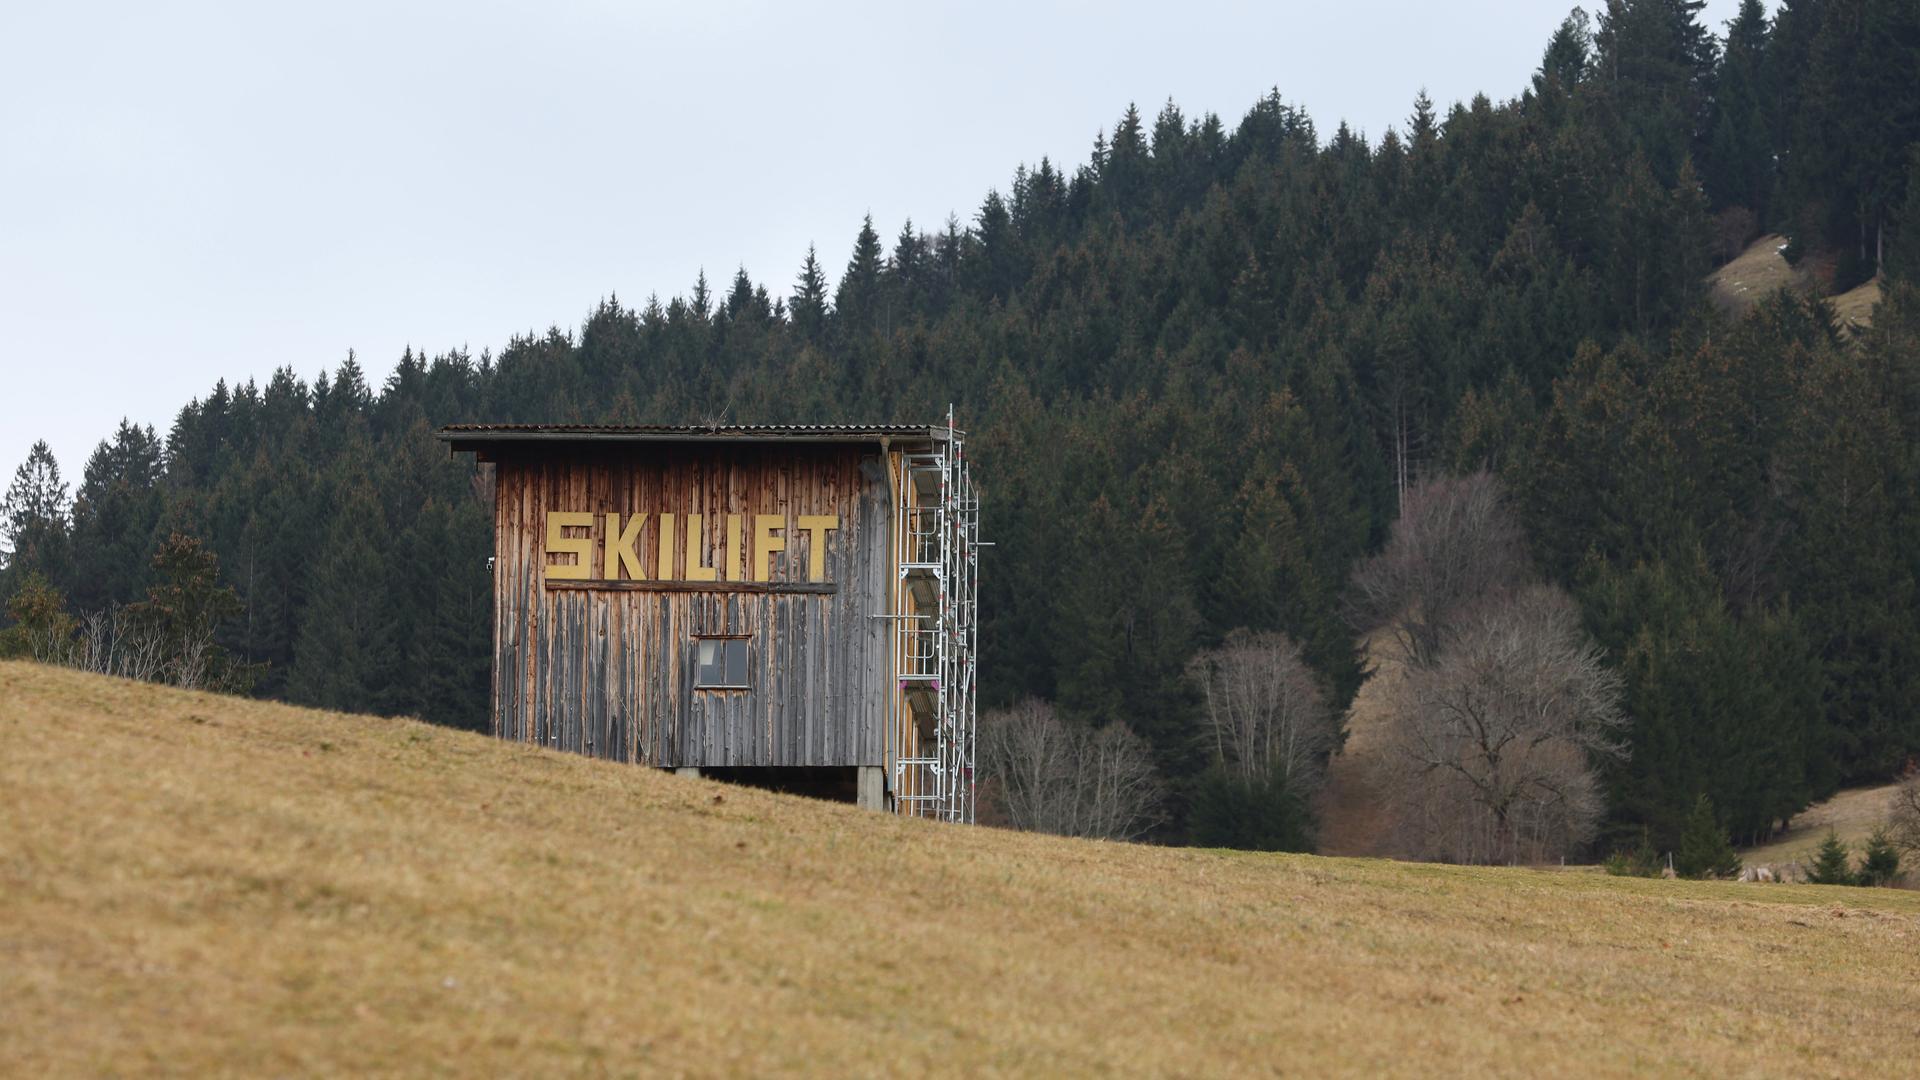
{"points": [[789, 606]]}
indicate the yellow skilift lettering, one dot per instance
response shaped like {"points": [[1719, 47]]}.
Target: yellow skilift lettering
{"points": [[664, 569], [817, 526], [622, 554], [559, 543], [697, 567], [730, 552], [765, 543]]}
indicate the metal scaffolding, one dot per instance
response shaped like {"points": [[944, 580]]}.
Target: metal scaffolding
{"points": [[938, 630]]}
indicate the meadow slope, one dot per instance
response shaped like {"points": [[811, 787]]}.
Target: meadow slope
{"points": [[192, 884]]}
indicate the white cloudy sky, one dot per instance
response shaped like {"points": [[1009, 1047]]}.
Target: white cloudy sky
{"points": [[190, 191]]}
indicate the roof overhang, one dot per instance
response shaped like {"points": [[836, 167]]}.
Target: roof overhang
{"points": [[485, 437]]}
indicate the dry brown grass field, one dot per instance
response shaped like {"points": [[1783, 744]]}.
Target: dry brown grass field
{"points": [[197, 885]]}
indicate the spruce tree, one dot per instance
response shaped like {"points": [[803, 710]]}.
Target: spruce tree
{"points": [[1705, 851], [1645, 859], [1740, 144], [809, 302], [1847, 562], [1564, 64], [1881, 864], [739, 301], [115, 513], [1831, 865], [346, 655], [858, 305], [1655, 69], [34, 522], [1123, 172], [700, 301], [993, 271], [907, 271], [1903, 248]]}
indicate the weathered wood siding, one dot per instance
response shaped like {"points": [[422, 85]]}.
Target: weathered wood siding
{"points": [[610, 671]]}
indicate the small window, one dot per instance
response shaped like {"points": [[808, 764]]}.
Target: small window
{"points": [[722, 663]]}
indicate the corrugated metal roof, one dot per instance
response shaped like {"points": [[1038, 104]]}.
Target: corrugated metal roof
{"points": [[464, 436]]}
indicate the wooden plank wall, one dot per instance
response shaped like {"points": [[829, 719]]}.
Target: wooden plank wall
{"points": [[609, 672]]}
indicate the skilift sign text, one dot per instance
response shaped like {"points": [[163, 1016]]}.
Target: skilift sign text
{"points": [[621, 540]]}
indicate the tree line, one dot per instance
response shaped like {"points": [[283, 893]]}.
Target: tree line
{"points": [[1212, 364]]}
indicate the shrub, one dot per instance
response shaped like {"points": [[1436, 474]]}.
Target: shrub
{"points": [[1250, 814], [1642, 861], [42, 630]]}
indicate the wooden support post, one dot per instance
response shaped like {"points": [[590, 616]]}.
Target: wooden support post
{"points": [[873, 787]]}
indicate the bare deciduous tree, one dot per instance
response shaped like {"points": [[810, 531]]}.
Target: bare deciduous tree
{"points": [[117, 642], [1491, 755], [170, 637], [1457, 542], [1046, 774], [1265, 710]]}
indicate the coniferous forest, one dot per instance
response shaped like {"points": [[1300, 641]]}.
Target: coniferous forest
{"points": [[1200, 369]]}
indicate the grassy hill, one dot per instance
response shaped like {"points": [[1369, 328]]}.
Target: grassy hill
{"points": [[1755, 274], [1852, 815], [1761, 270], [1348, 805], [194, 884]]}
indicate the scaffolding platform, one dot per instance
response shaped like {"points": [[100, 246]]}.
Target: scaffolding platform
{"points": [[937, 630]]}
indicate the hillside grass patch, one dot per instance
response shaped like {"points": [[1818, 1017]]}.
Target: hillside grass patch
{"points": [[192, 884]]}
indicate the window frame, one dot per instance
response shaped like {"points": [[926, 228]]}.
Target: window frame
{"points": [[745, 641]]}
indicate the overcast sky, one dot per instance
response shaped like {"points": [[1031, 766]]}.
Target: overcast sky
{"points": [[190, 192]]}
